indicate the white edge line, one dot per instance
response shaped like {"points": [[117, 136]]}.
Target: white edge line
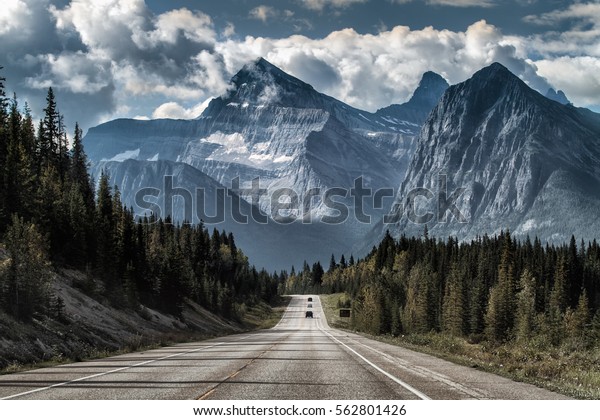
{"points": [[389, 375], [428, 373], [322, 319]]}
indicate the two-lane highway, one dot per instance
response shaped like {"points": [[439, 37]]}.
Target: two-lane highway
{"points": [[300, 358]]}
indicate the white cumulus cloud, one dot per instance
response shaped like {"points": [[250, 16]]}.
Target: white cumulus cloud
{"points": [[371, 71], [578, 77], [76, 72], [169, 26], [14, 14], [121, 57]]}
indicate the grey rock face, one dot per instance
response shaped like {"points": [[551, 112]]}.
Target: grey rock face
{"points": [[272, 126], [525, 162]]}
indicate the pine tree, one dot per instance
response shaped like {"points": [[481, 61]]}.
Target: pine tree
{"points": [[559, 294], [3, 119], [171, 279], [501, 306], [367, 309], [231, 244], [493, 315], [453, 309], [574, 275], [3, 100], [80, 168], [396, 321], [105, 234], [3, 152], [76, 247], [18, 177], [576, 321], [48, 209], [526, 313], [104, 204], [479, 295], [27, 165], [14, 155], [416, 316], [343, 263], [332, 264], [63, 156], [317, 274], [49, 136], [26, 274], [28, 132], [143, 283], [200, 253]]}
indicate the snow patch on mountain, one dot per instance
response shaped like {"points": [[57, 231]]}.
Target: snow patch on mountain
{"points": [[232, 144], [121, 157], [272, 126]]}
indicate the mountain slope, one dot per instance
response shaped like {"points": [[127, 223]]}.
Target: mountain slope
{"points": [[197, 197], [270, 127], [526, 163], [261, 83], [260, 128]]}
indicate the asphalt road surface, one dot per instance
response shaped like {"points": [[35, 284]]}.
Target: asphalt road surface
{"points": [[301, 358]]}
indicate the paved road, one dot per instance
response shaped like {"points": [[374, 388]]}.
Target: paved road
{"points": [[301, 358]]}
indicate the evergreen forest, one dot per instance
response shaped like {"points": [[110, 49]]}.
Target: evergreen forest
{"points": [[54, 216], [493, 289]]}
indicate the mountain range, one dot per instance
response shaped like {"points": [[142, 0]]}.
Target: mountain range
{"points": [[522, 161], [517, 160]]}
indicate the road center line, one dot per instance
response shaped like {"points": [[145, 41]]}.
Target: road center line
{"points": [[234, 374]]}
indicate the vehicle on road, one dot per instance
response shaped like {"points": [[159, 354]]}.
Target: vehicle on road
{"points": [[310, 299], [310, 305], [309, 314]]}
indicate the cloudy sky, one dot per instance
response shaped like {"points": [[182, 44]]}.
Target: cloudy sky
{"points": [[108, 59]]}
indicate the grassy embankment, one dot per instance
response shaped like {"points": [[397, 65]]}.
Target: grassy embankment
{"points": [[93, 330], [570, 369], [263, 316]]}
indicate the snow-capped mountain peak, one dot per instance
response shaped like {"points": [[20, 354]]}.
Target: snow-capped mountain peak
{"points": [[271, 126], [260, 83]]}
